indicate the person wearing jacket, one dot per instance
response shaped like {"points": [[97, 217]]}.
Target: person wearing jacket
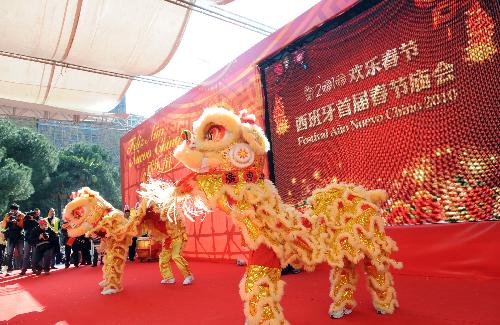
{"points": [[55, 224], [45, 239], [30, 222], [12, 225]]}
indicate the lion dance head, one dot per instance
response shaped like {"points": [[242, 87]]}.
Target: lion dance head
{"points": [[223, 141], [86, 208]]}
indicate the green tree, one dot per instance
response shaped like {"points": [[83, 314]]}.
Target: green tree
{"points": [[33, 151], [15, 181], [85, 165]]}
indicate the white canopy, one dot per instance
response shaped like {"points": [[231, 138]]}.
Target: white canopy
{"points": [[133, 37]]}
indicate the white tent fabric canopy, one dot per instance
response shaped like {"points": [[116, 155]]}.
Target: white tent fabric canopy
{"points": [[133, 37]]}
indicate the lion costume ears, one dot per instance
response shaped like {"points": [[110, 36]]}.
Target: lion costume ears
{"points": [[253, 134], [243, 124]]}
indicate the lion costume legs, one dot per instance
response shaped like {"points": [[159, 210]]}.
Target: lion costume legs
{"points": [[261, 289], [172, 249], [343, 284], [114, 263], [381, 287]]}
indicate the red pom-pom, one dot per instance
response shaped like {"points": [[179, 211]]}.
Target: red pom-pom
{"points": [[246, 117]]}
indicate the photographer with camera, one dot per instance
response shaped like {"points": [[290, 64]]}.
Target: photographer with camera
{"points": [[13, 224], [30, 222], [45, 239]]}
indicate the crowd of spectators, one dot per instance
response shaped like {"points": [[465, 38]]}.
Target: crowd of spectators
{"points": [[30, 241]]}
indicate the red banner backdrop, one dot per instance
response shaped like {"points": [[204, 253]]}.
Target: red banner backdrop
{"points": [[147, 150], [404, 97]]}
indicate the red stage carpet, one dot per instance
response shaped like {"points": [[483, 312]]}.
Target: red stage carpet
{"points": [[72, 297]]}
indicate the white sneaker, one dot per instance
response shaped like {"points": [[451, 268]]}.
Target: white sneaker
{"points": [[188, 280], [169, 281], [336, 314]]}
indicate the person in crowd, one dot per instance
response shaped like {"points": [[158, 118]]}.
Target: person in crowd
{"points": [[86, 256], [54, 224], [3, 244], [96, 255], [30, 222], [45, 240], [67, 245], [13, 224], [81, 251], [132, 248]]}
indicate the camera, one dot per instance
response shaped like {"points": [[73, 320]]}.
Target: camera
{"points": [[30, 214], [45, 235], [12, 218]]}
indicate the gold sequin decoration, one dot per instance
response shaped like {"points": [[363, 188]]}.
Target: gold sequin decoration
{"points": [[324, 199], [255, 273], [210, 184], [253, 230]]}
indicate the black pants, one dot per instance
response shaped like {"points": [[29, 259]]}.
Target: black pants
{"points": [[56, 255], [2, 253], [131, 249], [67, 255], [85, 255], [43, 255], [95, 257], [14, 245]]}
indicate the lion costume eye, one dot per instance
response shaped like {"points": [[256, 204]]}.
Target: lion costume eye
{"points": [[215, 133]]}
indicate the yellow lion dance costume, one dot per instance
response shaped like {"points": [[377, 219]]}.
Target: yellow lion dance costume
{"points": [[91, 215], [341, 226]]}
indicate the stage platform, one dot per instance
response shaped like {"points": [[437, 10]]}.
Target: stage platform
{"points": [[72, 297], [442, 283]]}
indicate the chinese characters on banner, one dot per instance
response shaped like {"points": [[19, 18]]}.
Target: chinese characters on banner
{"points": [[393, 100]]}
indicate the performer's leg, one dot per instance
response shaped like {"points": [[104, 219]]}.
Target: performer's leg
{"points": [[164, 264], [381, 288], [343, 284], [116, 256], [261, 289], [176, 248]]}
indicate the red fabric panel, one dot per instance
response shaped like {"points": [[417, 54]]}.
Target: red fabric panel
{"points": [[264, 256], [455, 250], [215, 239]]}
